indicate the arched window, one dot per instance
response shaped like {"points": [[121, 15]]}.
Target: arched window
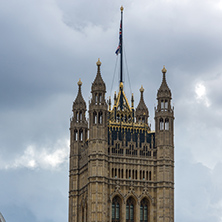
{"points": [[143, 120], [77, 117], [150, 175], [80, 135], [75, 135], [130, 210], [161, 124], [84, 213], [100, 98], [100, 118], [96, 98], [95, 118], [144, 210], [80, 116], [117, 118], [116, 209], [162, 104], [166, 124], [166, 104]]}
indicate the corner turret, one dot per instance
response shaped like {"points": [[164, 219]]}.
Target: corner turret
{"points": [[142, 112]]}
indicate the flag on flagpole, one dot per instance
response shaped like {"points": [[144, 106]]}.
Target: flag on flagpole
{"points": [[118, 50]]}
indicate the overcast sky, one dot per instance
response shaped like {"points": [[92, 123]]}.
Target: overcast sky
{"points": [[47, 45]]}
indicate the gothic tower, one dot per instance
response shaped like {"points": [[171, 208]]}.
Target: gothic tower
{"points": [[78, 137], [164, 125], [121, 170], [97, 151]]}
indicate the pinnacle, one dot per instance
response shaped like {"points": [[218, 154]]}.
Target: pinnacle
{"points": [[164, 90], [98, 84], [79, 101], [142, 106]]}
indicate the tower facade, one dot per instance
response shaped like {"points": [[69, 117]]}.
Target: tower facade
{"points": [[121, 170]]}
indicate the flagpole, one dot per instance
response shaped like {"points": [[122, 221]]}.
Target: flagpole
{"points": [[121, 47]]}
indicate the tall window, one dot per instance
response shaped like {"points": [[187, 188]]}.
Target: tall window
{"points": [[144, 210], [80, 135], [75, 135], [95, 118], [116, 209], [162, 104], [167, 124], [166, 104], [80, 116], [130, 210], [161, 124], [100, 119]]}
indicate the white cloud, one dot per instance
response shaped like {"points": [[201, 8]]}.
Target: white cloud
{"points": [[37, 157], [201, 95]]}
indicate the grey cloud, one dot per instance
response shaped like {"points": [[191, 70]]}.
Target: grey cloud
{"points": [[47, 46]]}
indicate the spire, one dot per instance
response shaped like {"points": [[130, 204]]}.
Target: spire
{"points": [[79, 101], [142, 108], [98, 84], [164, 90]]}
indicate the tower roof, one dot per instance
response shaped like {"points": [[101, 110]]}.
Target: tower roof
{"points": [[164, 90], [98, 84], [79, 101], [142, 108]]}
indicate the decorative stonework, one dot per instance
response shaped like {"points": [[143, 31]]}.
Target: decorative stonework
{"points": [[115, 158]]}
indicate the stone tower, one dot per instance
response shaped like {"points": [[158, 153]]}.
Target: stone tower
{"points": [[120, 170]]}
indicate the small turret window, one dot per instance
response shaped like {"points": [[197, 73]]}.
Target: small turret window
{"points": [[100, 118], [96, 98], [95, 118], [80, 116], [161, 124], [117, 117], [166, 104], [80, 135], [167, 124], [100, 98], [143, 120], [162, 104], [75, 135], [77, 117]]}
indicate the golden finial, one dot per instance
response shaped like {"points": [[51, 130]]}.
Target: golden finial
{"points": [[121, 8], [164, 70], [79, 82], [121, 85], [98, 62], [141, 89]]}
